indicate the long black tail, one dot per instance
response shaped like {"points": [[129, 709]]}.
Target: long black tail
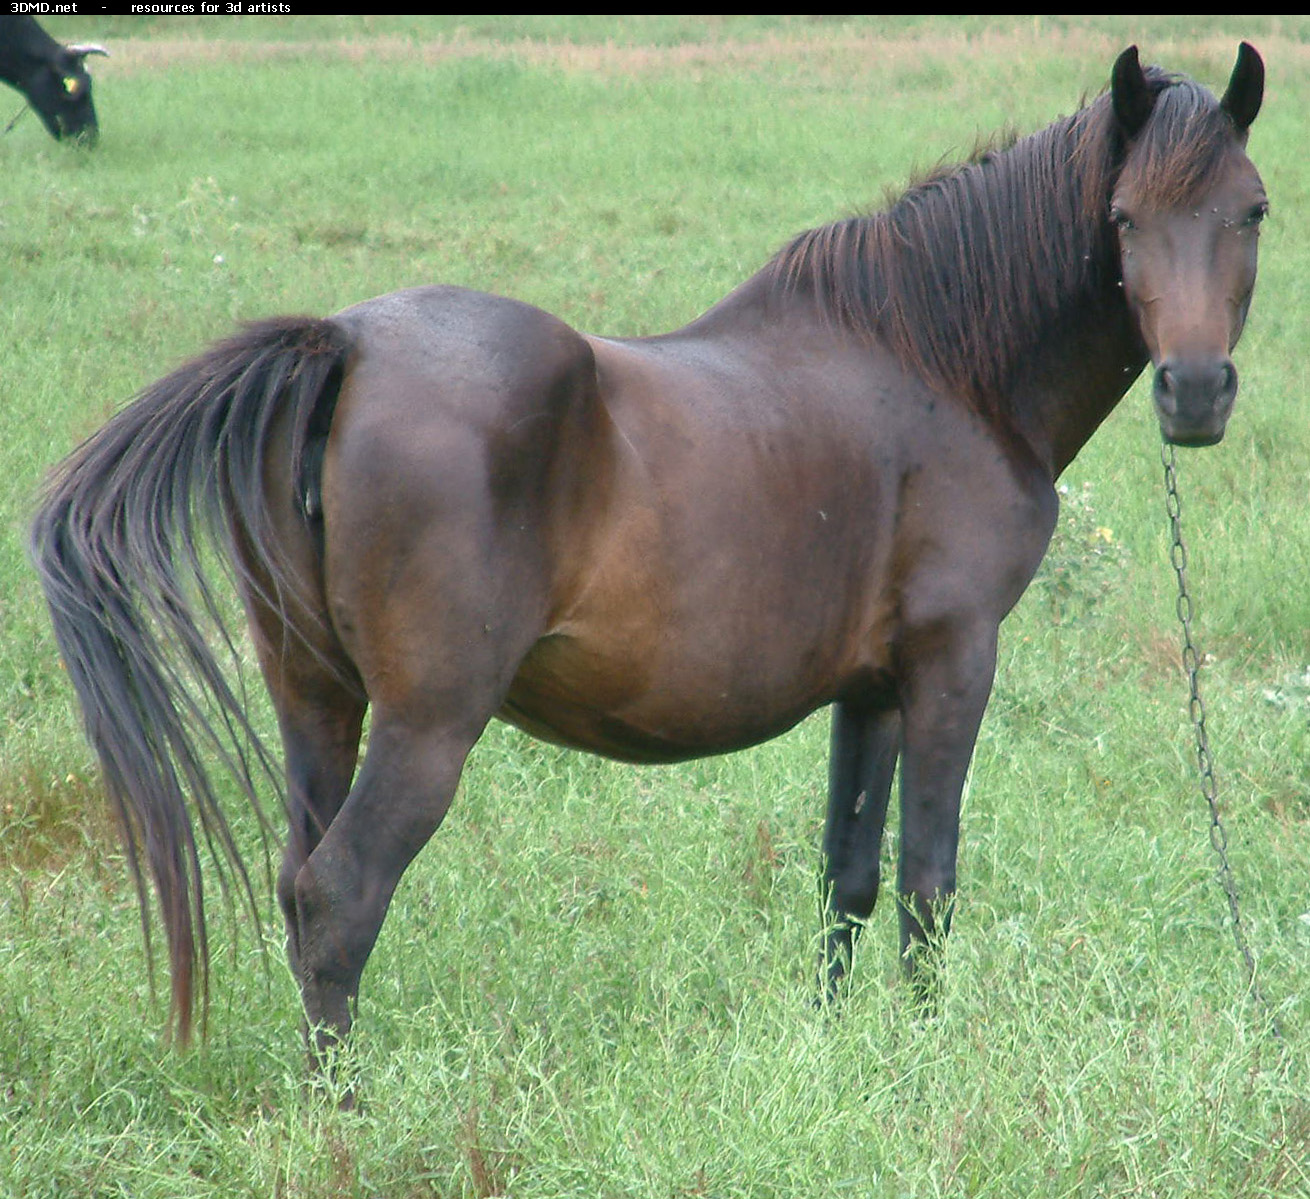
{"points": [[118, 542]]}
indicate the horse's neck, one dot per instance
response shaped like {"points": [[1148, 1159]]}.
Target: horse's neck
{"points": [[1082, 370], [1060, 394]]}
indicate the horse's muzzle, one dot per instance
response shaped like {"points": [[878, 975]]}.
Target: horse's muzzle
{"points": [[1194, 399]]}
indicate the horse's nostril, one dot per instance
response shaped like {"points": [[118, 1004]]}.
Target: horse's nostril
{"points": [[1166, 394]]}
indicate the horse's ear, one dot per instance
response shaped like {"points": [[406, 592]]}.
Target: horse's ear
{"points": [[1246, 88], [1129, 93]]}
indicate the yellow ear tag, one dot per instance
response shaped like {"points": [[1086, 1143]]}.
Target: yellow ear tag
{"points": [[72, 85]]}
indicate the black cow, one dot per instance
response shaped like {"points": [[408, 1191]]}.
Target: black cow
{"points": [[52, 77]]}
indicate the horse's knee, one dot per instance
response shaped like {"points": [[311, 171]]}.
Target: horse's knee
{"points": [[855, 891]]}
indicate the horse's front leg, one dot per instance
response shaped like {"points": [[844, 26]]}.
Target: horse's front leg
{"points": [[865, 742], [948, 680]]}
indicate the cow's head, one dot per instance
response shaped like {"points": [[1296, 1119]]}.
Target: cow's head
{"points": [[60, 92]]}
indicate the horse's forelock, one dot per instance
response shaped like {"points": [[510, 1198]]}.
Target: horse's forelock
{"points": [[1182, 147]]}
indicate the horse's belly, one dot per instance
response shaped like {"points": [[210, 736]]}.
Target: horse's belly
{"points": [[669, 707]]}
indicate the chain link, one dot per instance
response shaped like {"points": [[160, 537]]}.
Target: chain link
{"points": [[1196, 710]]}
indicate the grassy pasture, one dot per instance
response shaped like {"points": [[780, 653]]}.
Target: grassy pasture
{"points": [[596, 980]]}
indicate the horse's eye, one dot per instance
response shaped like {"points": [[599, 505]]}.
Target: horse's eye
{"points": [[1120, 219], [1257, 213]]}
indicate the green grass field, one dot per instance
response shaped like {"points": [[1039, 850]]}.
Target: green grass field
{"points": [[596, 980]]}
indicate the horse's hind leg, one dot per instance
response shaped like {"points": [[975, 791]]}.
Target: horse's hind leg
{"points": [[351, 835], [342, 892], [320, 710], [320, 737], [439, 602], [865, 743]]}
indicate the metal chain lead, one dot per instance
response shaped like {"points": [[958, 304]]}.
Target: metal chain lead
{"points": [[1196, 709], [19, 113]]}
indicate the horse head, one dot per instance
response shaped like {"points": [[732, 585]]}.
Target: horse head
{"points": [[1187, 207]]}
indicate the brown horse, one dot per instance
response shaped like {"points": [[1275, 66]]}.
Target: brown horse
{"points": [[828, 490]]}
